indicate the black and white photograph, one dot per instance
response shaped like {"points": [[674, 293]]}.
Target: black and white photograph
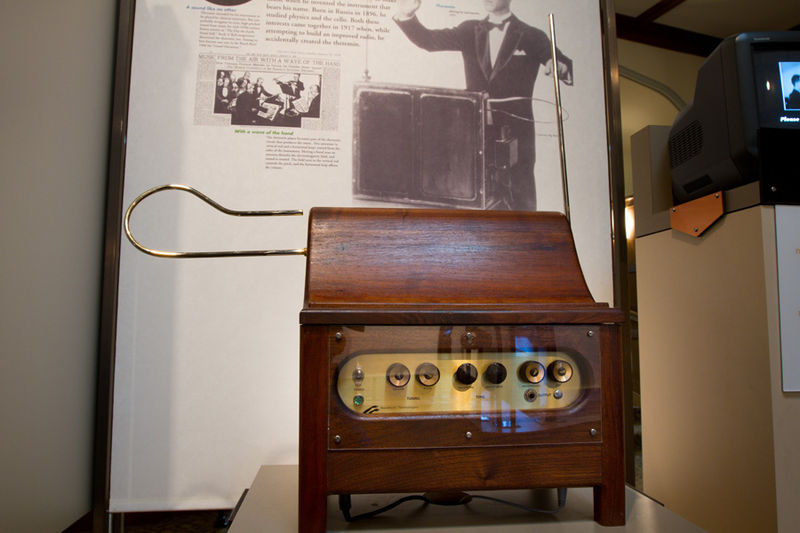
{"points": [[790, 84], [267, 98], [502, 57]]}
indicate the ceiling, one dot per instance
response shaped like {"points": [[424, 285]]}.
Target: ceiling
{"points": [[696, 26]]}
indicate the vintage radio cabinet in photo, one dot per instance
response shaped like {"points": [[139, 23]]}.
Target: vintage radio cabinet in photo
{"points": [[454, 350], [421, 145]]}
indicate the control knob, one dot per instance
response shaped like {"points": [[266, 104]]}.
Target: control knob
{"points": [[495, 373], [427, 374], [398, 375], [466, 374], [559, 371], [532, 372]]}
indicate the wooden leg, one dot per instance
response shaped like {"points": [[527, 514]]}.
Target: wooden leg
{"points": [[313, 506], [313, 486], [609, 497], [609, 504]]}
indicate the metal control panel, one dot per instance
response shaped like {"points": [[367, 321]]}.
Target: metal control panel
{"points": [[436, 383]]}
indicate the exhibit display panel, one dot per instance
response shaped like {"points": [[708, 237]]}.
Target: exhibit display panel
{"points": [[253, 104]]}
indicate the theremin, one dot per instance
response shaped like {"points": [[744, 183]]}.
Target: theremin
{"points": [[449, 350], [454, 350]]}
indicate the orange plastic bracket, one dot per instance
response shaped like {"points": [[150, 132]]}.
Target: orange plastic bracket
{"points": [[696, 216]]}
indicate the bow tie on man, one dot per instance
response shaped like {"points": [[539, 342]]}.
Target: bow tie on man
{"points": [[489, 25]]}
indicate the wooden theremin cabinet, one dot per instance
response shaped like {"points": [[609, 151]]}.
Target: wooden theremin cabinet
{"points": [[454, 350]]}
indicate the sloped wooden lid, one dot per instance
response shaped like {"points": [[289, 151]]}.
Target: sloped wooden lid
{"points": [[435, 259]]}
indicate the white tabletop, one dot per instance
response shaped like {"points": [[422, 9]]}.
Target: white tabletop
{"points": [[271, 506]]}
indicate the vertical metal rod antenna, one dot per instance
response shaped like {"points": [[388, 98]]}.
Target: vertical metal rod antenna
{"points": [[559, 117]]}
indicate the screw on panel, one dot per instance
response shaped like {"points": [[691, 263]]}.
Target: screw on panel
{"points": [[337, 439], [590, 333]]}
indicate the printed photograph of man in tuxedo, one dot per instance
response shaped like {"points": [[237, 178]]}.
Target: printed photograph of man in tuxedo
{"points": [[502, 57]]}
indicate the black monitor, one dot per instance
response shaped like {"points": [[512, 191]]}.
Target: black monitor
{"points": [[744, 122]]}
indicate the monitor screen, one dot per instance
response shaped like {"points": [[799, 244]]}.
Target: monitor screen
{"points": [[790, 84], [777, 78]]}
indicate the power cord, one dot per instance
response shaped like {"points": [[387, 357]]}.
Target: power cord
{"points": [[447, 499]]}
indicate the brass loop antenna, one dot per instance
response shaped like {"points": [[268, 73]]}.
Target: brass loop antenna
{"points": [[215, 205]]}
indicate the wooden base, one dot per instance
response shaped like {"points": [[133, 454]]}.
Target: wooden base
{"points": [[325, 470]]}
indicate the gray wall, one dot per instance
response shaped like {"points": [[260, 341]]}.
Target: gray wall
{"points": [[644, 107], [56, 62]]}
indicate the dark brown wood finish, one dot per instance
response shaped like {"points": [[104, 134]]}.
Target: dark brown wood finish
{"points": [[658, 9], [426, 256], [479, 314], [374, 277], [654, 34], [609, 496], [471, 468], [313, 429]]}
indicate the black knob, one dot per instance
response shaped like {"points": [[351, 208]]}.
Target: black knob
{"points": [[467, 374], [495, 373]]}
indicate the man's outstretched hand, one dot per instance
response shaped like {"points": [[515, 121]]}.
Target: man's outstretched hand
{"points": [[406, 8], [564, 71]]}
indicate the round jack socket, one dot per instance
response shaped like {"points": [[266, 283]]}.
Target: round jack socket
{"points": [[530, 395]]}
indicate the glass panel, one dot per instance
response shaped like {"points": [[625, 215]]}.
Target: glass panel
{"points": [[392, 380], [431, 383]]}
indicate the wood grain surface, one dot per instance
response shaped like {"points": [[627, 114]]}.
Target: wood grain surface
{"points": [[427, 256]]}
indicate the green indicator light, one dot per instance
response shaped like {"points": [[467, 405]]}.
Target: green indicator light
{"points": [[358, 400]]}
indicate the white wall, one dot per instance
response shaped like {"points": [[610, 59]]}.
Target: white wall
{"points": [[56, 63]]}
